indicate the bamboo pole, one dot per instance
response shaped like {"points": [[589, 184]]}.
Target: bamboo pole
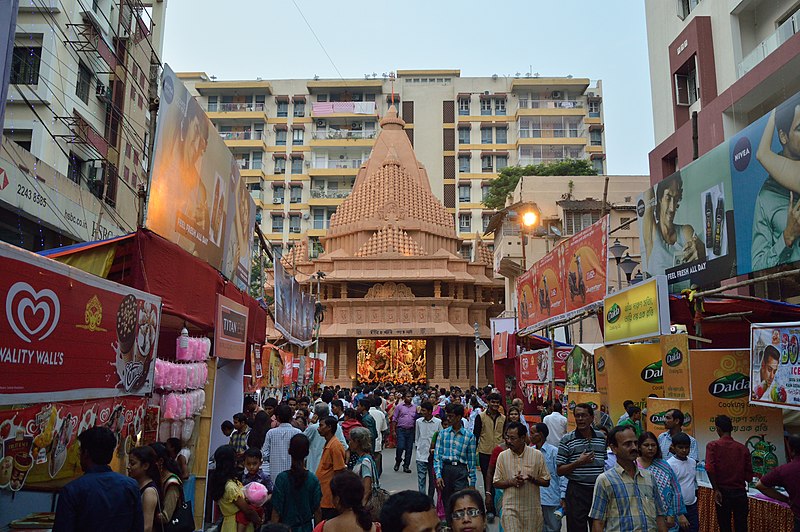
{"points": [[748, 282]]}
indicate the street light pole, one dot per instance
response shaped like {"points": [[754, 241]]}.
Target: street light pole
{"points": [[617, 249]]}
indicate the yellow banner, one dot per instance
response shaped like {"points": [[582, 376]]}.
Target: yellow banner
{"points": [[630, 371], [657, 409], [574, 398], [637, 312], [675, 363]]}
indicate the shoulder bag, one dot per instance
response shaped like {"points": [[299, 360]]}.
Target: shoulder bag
{"points": [[182, 518], [378, 495]]}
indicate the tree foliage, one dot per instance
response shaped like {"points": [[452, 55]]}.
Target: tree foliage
{"points": [[506, 182]]}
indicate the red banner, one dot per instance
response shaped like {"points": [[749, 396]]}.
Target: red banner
{"points": [[68, 335], [534, 366], [585, 259], [560, 363], [39, 446], [288, 367], [565, 280]]}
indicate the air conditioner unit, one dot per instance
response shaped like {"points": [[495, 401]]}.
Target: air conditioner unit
{"points": [[486, 93], [591, 95], [321, 123], [277, 200], [100, 90], [556, 95], [306, 216], [294, 229]]}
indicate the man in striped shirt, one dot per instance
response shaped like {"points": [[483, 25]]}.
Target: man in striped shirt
{"points": [[581, 457], [626, 498], [455, 455]]}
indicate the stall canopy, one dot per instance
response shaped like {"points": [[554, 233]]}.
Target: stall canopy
{"points": [[186, 284]]}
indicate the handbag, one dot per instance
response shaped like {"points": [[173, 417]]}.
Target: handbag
{"points": [[182, 518], [378, 495]]}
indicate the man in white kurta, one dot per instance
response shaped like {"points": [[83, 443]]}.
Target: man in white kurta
{"points": [[520, 471]]}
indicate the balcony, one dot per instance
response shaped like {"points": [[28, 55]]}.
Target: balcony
{"points": [[241, 135], [525, 103], [784, 32], [236, 108], [320, 109], [342, 134], [341, 193], [245, 164], [549, 133], [338, 164]]}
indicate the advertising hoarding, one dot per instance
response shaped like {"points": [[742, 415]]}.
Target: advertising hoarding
{"points": [[230, 329], [501, 329], [197, 198], [68, 335], [775, 364], [630, 371], [657, 408], [675, 364], [534, 366], [640, 311], [294, 309]]}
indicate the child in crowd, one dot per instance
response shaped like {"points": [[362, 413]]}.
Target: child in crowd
{"points": [[239, 435], [252, 473], [227, 428], [685, 469]]}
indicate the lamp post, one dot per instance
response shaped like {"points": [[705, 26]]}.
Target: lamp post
{"points": [[529, 219], [628, 265], [638, 278], [617, 250]]}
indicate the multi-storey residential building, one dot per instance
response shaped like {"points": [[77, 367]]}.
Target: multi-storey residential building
{"points": [[76, 125], [731, 61], [301, 142]]}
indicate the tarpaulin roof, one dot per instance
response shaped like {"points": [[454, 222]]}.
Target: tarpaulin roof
{"points": [[187, 285]]}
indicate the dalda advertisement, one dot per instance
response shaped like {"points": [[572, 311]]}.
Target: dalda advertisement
{"points": [[628, 371]]}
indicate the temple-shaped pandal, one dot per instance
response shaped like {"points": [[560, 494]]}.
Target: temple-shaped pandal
{"points": [[400, 303]]}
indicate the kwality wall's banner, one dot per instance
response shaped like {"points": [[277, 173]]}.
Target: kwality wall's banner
{"points": [[68, 335], [501, 329], [230, 329], [38, 443], [566, 280], [686, 224], [720, 385], [294, 309], [640, 311], [534, 366], [197, 197], [628, 371], [775, 365]]}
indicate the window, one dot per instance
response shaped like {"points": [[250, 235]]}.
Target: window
{"points": [[623, 221], [254, 187], [463, 107], [465, 222], [297, 137], [322, 97], [501, 161], [463, 136], [685, 7], [277, 224], [500, 107], [597, 164], [319, 219], [594, 109], [485, 219], [84, 82], [484, 192], [295, 194], [596, 137], [466, 251], [255, 160], [576, 221], [283, 109], [686, 86], [297, 166], [277, 194], [280, 165], [486, 107], [212, 104], [463, 163], [486, 163], [300, 109], [464, 193], [75, 168], [25, 65], [280, 137], [501, 135], [294, 223], [486, 135]]}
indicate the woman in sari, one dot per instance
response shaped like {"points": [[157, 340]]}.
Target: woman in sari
{"points": [[391, 438], [668, 488]]}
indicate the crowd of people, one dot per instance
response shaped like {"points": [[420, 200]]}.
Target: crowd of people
{"points": [[317, 463]]}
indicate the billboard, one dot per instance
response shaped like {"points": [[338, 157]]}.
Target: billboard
{"points": [[566, 280], [69, 335], [294, 309], [230, 329], [637, 312], [197, 198], [534, 366], [501, 329], [775, 364], [628, 371], [392, 360]]}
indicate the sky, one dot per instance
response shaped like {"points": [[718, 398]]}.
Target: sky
{"points": [[271, 39]]}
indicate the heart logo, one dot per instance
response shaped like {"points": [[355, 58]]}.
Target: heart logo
{"points": [[32, 314]]}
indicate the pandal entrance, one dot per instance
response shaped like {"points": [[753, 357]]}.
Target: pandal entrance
{"points": [[401, 361]]}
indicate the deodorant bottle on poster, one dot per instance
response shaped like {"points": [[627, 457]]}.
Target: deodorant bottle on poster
{"points": [[709, 210], [720, 218]]}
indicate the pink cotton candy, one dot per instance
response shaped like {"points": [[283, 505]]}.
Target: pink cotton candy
{"points": [[171, 407]]}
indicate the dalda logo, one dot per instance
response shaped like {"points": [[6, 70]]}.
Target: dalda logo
{"points": [[653, 373], [601, 364], [730, 386], [658, 419], [613, 313], [674, 357]]}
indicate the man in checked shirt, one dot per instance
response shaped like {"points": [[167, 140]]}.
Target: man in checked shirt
{"points": [[455, 456]]}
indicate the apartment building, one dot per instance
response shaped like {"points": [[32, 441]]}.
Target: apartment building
{"points": [[729, 61], [76, 129], [301, 142]]}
